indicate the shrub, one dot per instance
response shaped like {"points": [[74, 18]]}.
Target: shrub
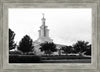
{"points": [[30, 53], [63, 57], [24, 59], [14, 52]]}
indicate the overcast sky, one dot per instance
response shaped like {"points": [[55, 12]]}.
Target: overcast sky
{"points": [[66, 25]]}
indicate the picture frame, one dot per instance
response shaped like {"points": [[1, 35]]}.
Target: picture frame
{"points": [[6, 64], [49, 67]]}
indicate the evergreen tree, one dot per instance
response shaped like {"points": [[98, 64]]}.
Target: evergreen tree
{"points": [[12, 44], [26, 44]]}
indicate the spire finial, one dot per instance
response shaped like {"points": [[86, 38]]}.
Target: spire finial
{"points": [[43, 19]]}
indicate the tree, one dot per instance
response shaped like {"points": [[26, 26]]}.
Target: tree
{"points": [[26, 44], [80, 47], [88, 50], [12, 44], [67, 49], [48, 48]]}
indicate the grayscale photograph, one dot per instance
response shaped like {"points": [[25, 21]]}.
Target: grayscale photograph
{"points": [[50, 35]]}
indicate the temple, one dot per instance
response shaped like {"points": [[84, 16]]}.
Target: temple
{"points": [[43, 36]]}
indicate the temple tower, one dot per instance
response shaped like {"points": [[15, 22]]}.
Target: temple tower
{"points": [[43, 37], [44, 32]]}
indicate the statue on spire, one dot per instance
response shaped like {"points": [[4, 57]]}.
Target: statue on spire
{"points": [[43, 20]]}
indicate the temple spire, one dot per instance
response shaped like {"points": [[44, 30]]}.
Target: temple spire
{"points": [[44, 31], [43, 15]]}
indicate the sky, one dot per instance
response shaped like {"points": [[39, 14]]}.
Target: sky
{"points": [[66, 25]]}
